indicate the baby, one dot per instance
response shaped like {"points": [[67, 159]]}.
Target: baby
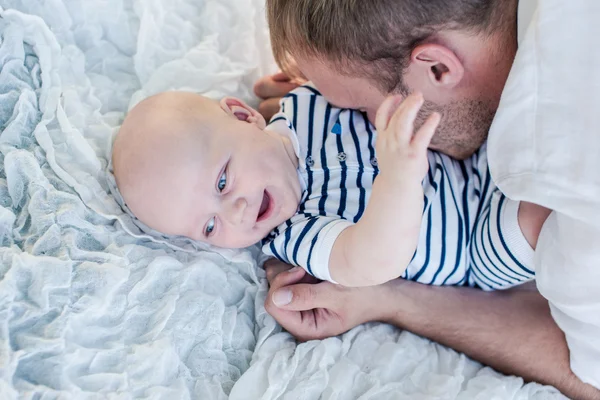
{"points": [[311, 186]]}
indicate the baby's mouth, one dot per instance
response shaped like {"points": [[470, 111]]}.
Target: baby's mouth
{"points": [[265, 207]]}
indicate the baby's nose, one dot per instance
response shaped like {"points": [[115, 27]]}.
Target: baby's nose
{"points": [[238, 211]]}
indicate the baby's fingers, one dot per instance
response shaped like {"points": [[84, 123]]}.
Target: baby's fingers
{"points": [[423, 136], [384, 112], [403, 120]]}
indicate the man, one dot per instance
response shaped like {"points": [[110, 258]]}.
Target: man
{"points": [[542, 149]]}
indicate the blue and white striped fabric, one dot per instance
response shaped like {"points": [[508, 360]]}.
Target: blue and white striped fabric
{"points": [[469, 235]]}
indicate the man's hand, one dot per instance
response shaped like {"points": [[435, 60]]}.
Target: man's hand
{"points": [[310, 309], [511, 331], [271, 89]]}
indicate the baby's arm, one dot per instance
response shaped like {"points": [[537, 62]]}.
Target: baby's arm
{"points": [[379, 247]]}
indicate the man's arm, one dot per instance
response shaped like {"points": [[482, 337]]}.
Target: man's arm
{"points": [[511, 331]]}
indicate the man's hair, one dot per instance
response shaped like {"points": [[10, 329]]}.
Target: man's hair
{"points": [[372, 38]]}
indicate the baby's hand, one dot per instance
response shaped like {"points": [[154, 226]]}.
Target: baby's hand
{"points": [[401, 155]]}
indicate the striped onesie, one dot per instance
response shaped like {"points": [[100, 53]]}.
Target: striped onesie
{"points": [[469, 234]]}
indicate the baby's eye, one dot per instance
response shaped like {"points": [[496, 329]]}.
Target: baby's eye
{"points": [[210, 227], [222, 181]]}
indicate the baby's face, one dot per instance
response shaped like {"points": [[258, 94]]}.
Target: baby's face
{"points": [[246, 185], [214, 176]]}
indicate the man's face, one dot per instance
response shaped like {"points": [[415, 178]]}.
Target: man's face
{"points": [[466, 118], [342, 91]]}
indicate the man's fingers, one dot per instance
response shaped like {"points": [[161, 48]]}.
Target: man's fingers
{"points": [[384, 112], [280, 77], [269, 107], [302, 297], [267, 87], [290, 320], [423, 137], [281, 277], [274, 267]]}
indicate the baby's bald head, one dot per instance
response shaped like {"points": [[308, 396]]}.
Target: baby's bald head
{"points": [[189, 166], [161, 140]]}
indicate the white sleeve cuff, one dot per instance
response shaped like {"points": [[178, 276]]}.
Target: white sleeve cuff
{"points": [[323, 247]]}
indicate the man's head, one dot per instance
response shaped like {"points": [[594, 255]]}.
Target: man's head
{"points": [[187, 165], [458, 53]]}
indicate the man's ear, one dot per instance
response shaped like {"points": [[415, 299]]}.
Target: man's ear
{"points": [[242, 111], [440, 64]]}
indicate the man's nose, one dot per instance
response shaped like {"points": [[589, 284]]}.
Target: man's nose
{"points": [[371, 116], [237, 210]]}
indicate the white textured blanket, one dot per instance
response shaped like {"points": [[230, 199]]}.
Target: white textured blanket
{"points": [[93, 308]]}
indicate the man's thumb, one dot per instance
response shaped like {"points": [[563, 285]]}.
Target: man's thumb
{"points": [[302, 296]]}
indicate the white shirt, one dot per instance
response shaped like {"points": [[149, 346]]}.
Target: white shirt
{"points": [[544, 147]]}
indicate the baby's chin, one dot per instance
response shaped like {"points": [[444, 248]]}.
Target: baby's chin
{"points": [[286, 213], [280, 220]]}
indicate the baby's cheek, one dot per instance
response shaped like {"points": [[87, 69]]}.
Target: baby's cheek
{"points": [[290, 209], [239, 240]]}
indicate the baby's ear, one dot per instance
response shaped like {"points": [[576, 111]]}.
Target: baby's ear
{"points": [[242, 111]]}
